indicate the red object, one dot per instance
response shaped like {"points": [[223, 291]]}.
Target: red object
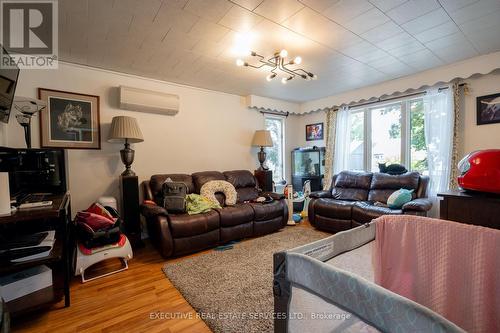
{"points": [[94, 221], [480, 171]]}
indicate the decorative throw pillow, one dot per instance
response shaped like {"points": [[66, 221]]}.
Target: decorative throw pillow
{"points": [[397, 199], [209, 189]]}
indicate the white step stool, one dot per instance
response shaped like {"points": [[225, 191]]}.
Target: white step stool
{"points": [[88, 257]]}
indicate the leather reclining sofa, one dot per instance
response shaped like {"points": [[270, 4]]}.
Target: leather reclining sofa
{"points": [[352, 197], [179, 234]]}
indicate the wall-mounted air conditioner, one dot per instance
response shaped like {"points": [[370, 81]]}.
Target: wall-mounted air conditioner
{"points": [[135, 99]]}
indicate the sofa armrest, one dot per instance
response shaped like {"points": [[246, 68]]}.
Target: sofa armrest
{"points": [[274, 195], [320, 194], [419, 205], [152, 210]]}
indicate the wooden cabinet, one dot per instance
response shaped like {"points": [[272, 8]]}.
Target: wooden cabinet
{"points": [[265, 179], [471, 208], [58, 218], [129, 193]]}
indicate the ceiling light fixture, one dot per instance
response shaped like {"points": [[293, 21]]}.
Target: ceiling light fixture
{"points": [[279, 62]]}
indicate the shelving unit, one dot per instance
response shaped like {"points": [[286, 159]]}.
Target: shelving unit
{"points": [[57, 217]]}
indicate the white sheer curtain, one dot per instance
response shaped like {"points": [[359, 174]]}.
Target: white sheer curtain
{"points": [[341, 155], [438, 123]]}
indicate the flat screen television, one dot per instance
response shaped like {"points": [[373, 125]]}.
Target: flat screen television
{"points": [[8, 83]]}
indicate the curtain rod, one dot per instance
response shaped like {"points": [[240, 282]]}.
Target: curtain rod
{"points": [[276, 113], [380, 100]]}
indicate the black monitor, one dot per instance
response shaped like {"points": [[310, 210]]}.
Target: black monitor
{"points": [[8, 83]]}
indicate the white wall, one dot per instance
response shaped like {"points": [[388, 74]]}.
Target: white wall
{"points": [[484, 136], [212, 131], [472, 136]]}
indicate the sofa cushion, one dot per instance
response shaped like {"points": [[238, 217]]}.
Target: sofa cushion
{"points": [[340, 209], [383, 185], [240, 178], [156, 184], [184, 225], [247, 194], [268, 211], [245, 184], [200, 178], [351, 185], [234, 215], [364, 211]]}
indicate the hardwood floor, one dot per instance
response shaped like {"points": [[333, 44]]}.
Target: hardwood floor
{"points": [[134, 301]]}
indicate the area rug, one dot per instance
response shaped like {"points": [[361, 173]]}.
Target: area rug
{"points": [[232, 290]]}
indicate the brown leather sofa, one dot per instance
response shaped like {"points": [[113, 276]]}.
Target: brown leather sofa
{"points": [[355, 198], [178, 234]]}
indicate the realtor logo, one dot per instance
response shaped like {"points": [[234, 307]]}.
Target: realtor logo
{"points": [[29, 34]]}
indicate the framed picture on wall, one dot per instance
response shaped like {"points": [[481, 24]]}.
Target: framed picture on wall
{"points": [[314, 132], [70, 120], [488, 109]]}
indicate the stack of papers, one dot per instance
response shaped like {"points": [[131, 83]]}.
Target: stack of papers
{"points": [[47, 242]]}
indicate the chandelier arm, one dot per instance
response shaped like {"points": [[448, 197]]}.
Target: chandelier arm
{"points": [[300, 69], [250, 65]]}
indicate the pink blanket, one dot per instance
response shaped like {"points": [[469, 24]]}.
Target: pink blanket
{"points": [[449, 267]]}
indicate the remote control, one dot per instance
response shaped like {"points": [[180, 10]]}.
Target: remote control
{"points": [[40, 204]]}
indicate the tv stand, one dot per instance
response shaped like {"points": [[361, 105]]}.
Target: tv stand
{"points": [[57, 217]]}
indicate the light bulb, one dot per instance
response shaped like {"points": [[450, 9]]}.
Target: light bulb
{"points": [[239, 62], [284, 80], [283, 53], [297, 60], [271, 76]]}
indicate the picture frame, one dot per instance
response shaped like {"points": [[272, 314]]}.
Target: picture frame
{"points": [[70, 120], [314, 132], [488, 109]]}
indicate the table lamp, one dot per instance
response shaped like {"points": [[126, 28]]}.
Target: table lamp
{"points": [[262, 138], [125, 129]]}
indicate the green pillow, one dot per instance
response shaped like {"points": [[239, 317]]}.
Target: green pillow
{"points": [[397, 199]]}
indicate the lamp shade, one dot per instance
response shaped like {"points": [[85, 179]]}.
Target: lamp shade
{"points": [[262, 138], [122, 128]]}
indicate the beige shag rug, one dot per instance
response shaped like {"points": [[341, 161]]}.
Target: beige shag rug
{"points": [[232, 290]]}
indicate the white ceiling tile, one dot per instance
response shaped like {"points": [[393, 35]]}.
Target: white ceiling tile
{"points": [[248, 4], [386, 5], [212, 10], [206, 29], [396, 41], [456, 52], [402, 51], [172, 17], [239, 19], [278, 10], [366, 21], [371, 56], [437, 32], [319, 5], [318, 28], [452, 5], [411, 10], [456, 38], [344, 10], [486, 22], [421, 60], [426, 21], [382, 32], [486, 41], [181, 40], [475, 10]]}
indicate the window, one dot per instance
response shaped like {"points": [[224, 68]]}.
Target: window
{"points": [[388, 133], [275, 159]]}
